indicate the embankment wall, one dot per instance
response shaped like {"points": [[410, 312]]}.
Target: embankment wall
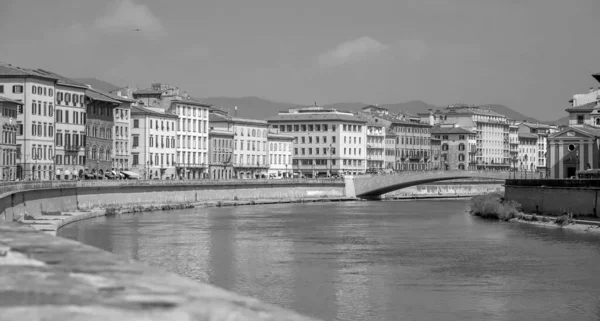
{"points": [[554, 197], [55, 199]]}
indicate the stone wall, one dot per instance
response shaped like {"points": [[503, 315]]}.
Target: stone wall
{"points": [[554, 200], [554, 196], [447, 189], [54, 199]]}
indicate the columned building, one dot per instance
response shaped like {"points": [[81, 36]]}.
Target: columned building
{"points": [[192, 137], [99, 139], [328, 142], [220, 154], [249, 145], [35, 90], [8, 145], [280, 155], [153, 144]]}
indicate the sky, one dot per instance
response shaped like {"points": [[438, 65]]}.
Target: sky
{"points": [[530, 55]]}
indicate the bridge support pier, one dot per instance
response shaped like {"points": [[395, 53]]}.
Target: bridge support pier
{"points": [[372, 197]]}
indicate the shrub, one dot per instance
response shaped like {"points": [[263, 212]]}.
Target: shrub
{"points": [[564, 219], [493, 206], [111, 211], [219, 204], [236, 198], [545, 219], [534, 218]]}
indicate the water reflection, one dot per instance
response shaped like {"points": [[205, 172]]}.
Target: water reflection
{"points": [[369, 260]]}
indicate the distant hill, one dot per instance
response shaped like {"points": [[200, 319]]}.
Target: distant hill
{"points": [[509, 113], [558, 122], [249, 107], [98, 84]]}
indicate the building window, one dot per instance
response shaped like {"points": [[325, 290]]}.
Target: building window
{"points": [[580, 119], [136, 123]]}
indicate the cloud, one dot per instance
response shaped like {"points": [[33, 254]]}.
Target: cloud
{"points": [[126, 15], [351, 51]]}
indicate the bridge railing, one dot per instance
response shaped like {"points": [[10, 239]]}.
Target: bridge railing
{"points": [[442, 172], [6, 187]]}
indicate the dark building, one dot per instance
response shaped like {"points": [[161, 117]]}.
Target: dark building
{"points": [[99, 128]]}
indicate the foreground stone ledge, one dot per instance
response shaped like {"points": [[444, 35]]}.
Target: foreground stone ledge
{"points": [[43, 277]]}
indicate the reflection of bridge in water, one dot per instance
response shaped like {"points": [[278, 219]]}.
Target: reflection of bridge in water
{"points": [[373, 186]]}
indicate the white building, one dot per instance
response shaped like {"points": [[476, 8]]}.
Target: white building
{"points": [[153, 147], [375, 146], [327, 141], [192, 137], [35, 89], [280, 155], [528, 159], [249, 146]]}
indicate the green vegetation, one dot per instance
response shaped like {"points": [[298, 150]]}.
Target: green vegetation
{"points": [[493, 206], [564, 219]]}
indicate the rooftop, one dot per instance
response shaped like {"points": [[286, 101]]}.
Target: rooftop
{"points": [[96, 95], [437, 129], [280, 136], [537, 125], [582, 108], [98, 84], [190, 101], [220, 131], [8, 70], [138, 110], [219, 117], [315, 117], [528, 135], [149, 91], [473, 110]]}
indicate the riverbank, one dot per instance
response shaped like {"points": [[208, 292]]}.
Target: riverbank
{"points": [[51, 223], [550, 222]]}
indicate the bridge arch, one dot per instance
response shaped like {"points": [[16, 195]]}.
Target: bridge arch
{"points": [[374, 186]]}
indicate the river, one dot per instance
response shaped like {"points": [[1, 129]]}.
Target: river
{"points": [[400, 260]]}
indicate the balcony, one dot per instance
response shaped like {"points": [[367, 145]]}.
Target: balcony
{"points": [[188, 165], [250, 165], [72, 148]]}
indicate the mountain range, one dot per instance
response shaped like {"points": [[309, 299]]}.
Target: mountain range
{"points": [[260, 108], [255, 107]]}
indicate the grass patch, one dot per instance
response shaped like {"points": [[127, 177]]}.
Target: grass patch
{"points": [[564, 219], [493, 206]]}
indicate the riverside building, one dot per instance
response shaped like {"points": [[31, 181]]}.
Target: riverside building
{"points": [[153, 149], [413, 142], [575, 148], [280, 155], [8, 145], [457, 147], [327, 141], [220, 154], [192, 137], [249, 145], [492, 129], [35, 90], [99, 123]]}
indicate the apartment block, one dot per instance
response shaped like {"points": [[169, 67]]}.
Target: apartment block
{"points": [[327, 141]]}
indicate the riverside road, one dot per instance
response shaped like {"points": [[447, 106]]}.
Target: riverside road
{"points": [[416, 260]]}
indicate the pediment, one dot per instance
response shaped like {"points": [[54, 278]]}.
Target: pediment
{"points": [[571, 133]]}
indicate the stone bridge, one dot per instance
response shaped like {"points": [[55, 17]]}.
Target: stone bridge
{"points": [[373, 186]]}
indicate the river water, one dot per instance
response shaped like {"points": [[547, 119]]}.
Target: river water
{"points": [[405, 260]]}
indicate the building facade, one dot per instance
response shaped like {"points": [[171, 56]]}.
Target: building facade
{"points": [[121, 157], [492, 129], [220, 154], [513, 140], [99, 128], [528, 159], [35, 120], [542, 131], [390, 150], [8, 145], [249, 146], [192, 137], [280, 155], [457, 145], [327, 142], [153, 146], [70, 119], [375, 146]]}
